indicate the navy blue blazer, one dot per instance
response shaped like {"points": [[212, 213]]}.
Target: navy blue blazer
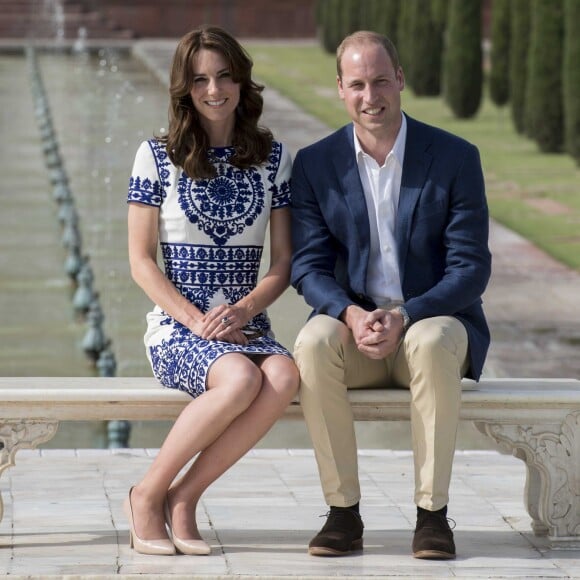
{"points": [[441, 230]]}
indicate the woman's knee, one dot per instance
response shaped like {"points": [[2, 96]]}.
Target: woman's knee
{"points": [[238, 380], [282, 373]]}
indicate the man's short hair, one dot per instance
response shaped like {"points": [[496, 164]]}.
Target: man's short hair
{"points": [[366, 37]]}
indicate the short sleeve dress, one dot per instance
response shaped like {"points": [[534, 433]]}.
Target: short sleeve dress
{"points": [[211, 233]]}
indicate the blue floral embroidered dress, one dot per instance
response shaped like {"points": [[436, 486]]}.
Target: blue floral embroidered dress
{"points": [[211, 233]]}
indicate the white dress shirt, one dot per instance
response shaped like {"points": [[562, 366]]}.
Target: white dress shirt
{"points": [[381, 186]]}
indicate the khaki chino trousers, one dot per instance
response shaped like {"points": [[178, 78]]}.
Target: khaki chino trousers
{"points": [[430, 360]]}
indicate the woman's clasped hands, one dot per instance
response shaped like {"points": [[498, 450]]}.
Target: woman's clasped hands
{"points": [[224, 323]]}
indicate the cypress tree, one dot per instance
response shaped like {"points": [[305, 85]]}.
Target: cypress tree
{"points": [[405, 38], [319, 13], [544, 102], [322, 24], [571, 77], [439, 9], [520, 16], [331, 28], [425, 50], [385, 18], [500, 52], [351, 13], [366, 15], [462, 63], [341, 20]]}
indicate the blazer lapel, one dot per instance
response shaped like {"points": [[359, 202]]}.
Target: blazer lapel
{"points": [[349, 178], [415, 167]]}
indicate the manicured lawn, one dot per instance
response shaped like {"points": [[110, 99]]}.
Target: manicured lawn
{"points": [[535, 194]]}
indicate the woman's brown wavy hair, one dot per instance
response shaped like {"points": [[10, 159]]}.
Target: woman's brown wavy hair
{"points": [[186, 141]]}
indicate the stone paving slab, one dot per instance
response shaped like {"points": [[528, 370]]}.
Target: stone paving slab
{"points": [[63, 516]]}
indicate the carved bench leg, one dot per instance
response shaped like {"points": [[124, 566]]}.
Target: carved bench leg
{"points": [[551, 453], [21, 434], [532, 493]]}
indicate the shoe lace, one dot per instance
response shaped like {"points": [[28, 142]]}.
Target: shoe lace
{"points": [[427, 518], [340, 517]]}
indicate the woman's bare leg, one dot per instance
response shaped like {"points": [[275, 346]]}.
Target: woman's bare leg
{"points": [[279, 386], [234, 381]]}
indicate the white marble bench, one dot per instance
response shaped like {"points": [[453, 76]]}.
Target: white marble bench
{"points": [[538, 420]]}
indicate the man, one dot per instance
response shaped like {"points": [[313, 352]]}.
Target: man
{"points": [[390, 231]]}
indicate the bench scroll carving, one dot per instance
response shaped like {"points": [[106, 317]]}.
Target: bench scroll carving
{"points": [[553, 476], [21, 434]]}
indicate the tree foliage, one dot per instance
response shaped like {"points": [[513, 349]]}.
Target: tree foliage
{"points": [[500, 52], [439, 9], [336, 19], [544, 102], [384, 15], [571, 77], [405, 37], [462, 62], [520, 15], [426, 49]]}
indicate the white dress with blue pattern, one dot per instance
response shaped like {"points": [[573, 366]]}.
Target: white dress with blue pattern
{"points": [[211, 233]]}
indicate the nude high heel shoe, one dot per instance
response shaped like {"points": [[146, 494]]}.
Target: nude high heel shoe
{"points": [[162, 547], [188, 547]]}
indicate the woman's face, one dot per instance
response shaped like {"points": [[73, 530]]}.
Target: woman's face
{"points": [[214, 94]]}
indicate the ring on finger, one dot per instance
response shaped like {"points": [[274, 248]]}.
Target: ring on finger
{"points": [[226, 321]]}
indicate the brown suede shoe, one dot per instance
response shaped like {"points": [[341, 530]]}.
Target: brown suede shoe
{"points": [[340, 535], [433, 539]]}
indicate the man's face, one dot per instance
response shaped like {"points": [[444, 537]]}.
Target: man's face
{"points": [[371, 88]]}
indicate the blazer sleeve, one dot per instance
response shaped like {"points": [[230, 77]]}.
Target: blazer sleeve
{"points": [[314, 256]]}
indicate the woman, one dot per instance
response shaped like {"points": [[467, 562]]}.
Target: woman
{"points": [[204, 192]]}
